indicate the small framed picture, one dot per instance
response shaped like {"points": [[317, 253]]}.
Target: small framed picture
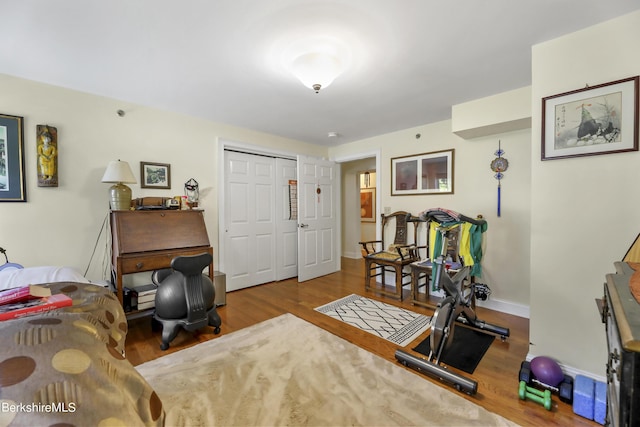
{"points": [[155, 175], [368, 205], [600, 119]]}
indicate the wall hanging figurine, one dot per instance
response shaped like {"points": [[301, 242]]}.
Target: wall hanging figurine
{"points": [[499, 165], [47, 140]]}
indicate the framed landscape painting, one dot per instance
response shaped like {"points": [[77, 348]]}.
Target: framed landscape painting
{"points": [[155, 175], [600, 119]]}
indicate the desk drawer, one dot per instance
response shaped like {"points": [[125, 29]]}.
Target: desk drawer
{"points": [[148, 262]]}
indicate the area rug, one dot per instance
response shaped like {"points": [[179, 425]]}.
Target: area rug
{"points": [[465, 351], [392, 323], [288, 372]]}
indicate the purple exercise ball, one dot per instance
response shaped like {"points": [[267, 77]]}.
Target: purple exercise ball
{"points": [[547, 370]]}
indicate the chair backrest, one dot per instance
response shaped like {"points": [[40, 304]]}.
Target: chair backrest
{"points": [[402, 229], [191, 267]]}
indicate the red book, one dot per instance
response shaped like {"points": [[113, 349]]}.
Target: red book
{"points": [[23, 293], [34, 306]]}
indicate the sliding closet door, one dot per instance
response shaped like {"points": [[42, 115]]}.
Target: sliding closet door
{"points": [[250, 232], [286, 219]]}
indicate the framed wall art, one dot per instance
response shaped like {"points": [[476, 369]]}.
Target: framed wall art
{"points": [[155, 175], [368, 205], [12, 181], [600, 119], [427, 173], [47, 148]]}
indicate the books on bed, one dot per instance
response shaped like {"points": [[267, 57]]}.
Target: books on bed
{"points": [[23, 293], [30, 300]]}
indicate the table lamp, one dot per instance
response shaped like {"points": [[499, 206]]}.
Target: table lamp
{"points": [[119, 172]]}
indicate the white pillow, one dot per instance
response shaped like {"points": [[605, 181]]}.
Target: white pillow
{"points": [[13, 278]]}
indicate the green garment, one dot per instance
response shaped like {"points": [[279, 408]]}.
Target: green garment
{"points": [[475, 243]]}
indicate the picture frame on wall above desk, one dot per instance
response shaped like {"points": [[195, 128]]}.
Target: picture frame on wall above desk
{"points": [[420, 174], [601, 119], [155, 175]]}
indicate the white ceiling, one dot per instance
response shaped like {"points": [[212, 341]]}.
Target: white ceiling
{"points": [[219, 60]]}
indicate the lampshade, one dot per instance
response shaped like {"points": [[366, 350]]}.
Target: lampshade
{"points": [[119, 172], [316, 69]]}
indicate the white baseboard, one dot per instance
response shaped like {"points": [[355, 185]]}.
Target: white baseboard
{"points": [[508, 307], [571, 371]]}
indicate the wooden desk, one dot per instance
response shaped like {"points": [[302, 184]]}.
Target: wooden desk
{"points": [[149, 240]]}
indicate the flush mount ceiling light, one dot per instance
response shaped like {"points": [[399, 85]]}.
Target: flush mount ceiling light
{"points": [[317, 61], [316, 69]]}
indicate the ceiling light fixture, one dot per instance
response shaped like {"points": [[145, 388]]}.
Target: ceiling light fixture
{"points": [[316, 69], [316, 61]]}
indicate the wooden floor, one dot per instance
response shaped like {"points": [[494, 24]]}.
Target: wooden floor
{"points": [[497, 373]]}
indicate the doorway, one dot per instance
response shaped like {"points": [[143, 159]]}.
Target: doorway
{"points": [[351, 217]]}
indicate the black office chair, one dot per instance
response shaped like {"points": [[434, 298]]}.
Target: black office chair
{"points": [[185, 297]]}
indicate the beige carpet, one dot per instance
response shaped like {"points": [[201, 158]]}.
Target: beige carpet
{"points": [[288, 372]]}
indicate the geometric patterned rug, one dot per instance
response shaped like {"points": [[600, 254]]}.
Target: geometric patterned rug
{"points": [[392, 323]]}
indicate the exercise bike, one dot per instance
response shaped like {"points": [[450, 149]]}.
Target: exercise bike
{"points": [[456, 306]]}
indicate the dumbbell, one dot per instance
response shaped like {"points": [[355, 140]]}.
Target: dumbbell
{"points": [[533, 394]]}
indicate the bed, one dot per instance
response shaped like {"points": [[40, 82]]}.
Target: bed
{"points": [[14, 275], [68, 365]]}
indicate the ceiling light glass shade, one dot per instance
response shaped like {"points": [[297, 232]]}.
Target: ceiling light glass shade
{"points": [[316, 70], [119, 172]]}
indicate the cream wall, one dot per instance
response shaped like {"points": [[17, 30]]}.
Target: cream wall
{"points": [[60, 226], [506, 263], [585, 211]]}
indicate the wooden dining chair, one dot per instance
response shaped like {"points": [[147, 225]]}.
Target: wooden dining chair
{"points": [[380, 259]]}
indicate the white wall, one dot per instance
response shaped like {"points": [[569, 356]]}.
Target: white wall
{"points": [[60, 225], [585, 211], [506, 262]]}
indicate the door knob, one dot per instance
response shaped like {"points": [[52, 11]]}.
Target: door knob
{"points": [[303, 225]]}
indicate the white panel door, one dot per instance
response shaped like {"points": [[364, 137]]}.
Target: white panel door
{"points": [[317, 218], [286, 219], [250, 243]]}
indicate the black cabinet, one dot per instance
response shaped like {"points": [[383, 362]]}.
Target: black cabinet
{"points": [[621, 315]]}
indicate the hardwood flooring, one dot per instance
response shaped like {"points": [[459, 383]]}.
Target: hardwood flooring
{"points": [[497, 373]]}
